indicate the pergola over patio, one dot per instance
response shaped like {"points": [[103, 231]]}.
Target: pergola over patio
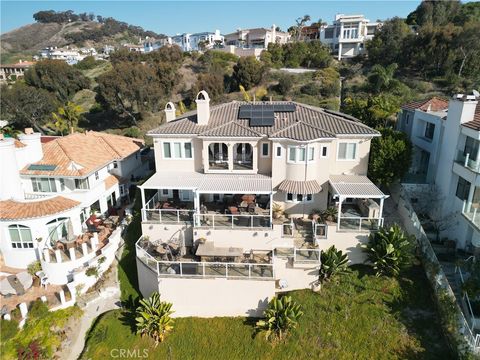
{"points": [[199, 184], [357, 187]]}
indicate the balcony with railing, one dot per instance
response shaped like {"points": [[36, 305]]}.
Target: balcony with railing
{"points": [[472, 212], [247, 267], [167, 212], [465, 159], [229, 221]]}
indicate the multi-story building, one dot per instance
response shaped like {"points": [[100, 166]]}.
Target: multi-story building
{"points": [[256, 38], [12, 72], [151, 44], [48, 190], [69, 55], [214, 240], [198, 41], [446, 138], [348, 34]]}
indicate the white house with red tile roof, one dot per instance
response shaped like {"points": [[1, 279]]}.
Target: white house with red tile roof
{"points": [[446, 139], [49, 189]]}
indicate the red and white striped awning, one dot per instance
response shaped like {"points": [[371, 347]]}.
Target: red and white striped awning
{"points": [[300, 187]]}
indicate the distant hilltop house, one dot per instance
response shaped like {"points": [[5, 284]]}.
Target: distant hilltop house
{"points": [[55, 185], [67, 54], [346, 36], [187, 42], [11, 72]]}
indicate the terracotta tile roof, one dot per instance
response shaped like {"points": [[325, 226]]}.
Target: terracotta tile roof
{"points": [[110, 181], [432, 104], [475, 123], [80, 154], [327, 121], [12, 210]]}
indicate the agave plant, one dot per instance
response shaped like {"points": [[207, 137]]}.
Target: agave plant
{"points": [[389, 249], [332, 262], [281, 316], [153, 318]]}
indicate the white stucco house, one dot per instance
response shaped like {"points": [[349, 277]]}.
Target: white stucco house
{"points": [[348, 34], [446, 139], [49, 186], [213, 241]]}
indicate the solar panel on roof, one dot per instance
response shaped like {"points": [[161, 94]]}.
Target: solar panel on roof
{"points": [[263, 114], [42, 167]]}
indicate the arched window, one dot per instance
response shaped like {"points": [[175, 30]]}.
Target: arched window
{"points": [[218, 156], [243, 156], [20, 236], [57, 229]]}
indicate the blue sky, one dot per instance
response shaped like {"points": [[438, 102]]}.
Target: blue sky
{"points": [[171, 17]]}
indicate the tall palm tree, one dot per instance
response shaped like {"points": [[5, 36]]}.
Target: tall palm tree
{"points": [[153, 318]]}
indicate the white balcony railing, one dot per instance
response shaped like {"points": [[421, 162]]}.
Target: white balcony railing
{"points": [[359, 224], [472, 212], [189, 269], [227, 221], [165, 216], [299, 255], [465, 160]]}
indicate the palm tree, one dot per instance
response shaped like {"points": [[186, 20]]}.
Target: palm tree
{"points": [[153, 318], [389, 250], [296, 30], [382, 78], [333, 262], [66, 118], [281, 316]]}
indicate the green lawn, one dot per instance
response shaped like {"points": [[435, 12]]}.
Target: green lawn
{"points": [[361, 317]]}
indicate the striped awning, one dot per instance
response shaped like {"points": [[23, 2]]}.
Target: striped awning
{"points": [[300, 187]]}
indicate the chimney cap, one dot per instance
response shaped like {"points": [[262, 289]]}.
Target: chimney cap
{"points": [[169, 106], [28, 131], [202, 95]]}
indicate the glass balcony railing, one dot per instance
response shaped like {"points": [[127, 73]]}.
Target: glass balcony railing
{"points": [[472, 212], [466, 160]]}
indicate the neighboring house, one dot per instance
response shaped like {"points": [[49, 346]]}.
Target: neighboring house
{"points": [[151, 44], [213, 242], [69, 55], [50, 187], [447, 142], [347, 35], [134, 48], [11, 72], [423, 122], [256, 38], [198, 41]]}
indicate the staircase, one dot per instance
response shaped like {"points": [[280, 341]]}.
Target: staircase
{"points": [[304, 233]]}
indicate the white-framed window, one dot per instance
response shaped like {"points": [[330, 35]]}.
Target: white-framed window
{"points": [[62, 184], [429, 130], [185, 195], [165, 192], [298, 154], [177, 150], [96, 175], [278, 151], [82, 184], [347, 151], [299, 197], [265, 149], [324, 151], [20, 237], [44, 185]]}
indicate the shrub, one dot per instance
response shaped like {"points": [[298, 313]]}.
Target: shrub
{"points": [[311, 88], [34, 267], [281, 317], [330, 214], [153, 318], [9, 329], [389, 250], [38, 309], [32, 351], [92, 271], [285, 84], [333, 262]]}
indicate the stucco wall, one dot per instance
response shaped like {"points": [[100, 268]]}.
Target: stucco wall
{"points": [[216, 297]]}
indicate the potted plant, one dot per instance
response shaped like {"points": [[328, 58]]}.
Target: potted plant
{"points": [[330, 214], [32, 269], [315, 214], [277, 210]]}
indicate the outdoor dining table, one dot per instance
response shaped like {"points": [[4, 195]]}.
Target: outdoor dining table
{"points": [[208, 250]]}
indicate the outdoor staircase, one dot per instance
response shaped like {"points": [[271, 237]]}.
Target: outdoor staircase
{"points": [[304, 233]]}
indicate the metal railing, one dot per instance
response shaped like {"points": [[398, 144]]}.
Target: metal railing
{"points": [[299, 255], [288, 229], [472, 212], [466, 298], [196, 269], [464, 159], [359, 224], [320, 230], [227, 221], [167, 215]]}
